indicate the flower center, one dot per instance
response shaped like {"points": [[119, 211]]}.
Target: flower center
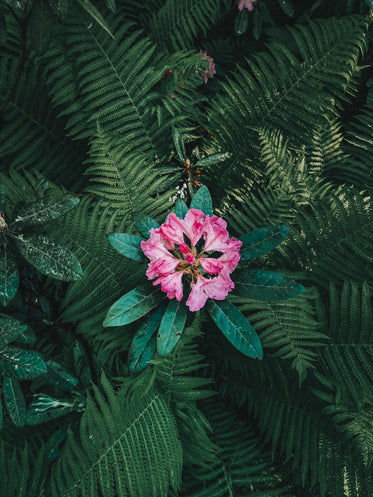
{"points": [[190, 262]]}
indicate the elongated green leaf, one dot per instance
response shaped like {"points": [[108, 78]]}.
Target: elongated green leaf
{"points": [[42, 211], [288, 7], [10, 330], [49, 257], [213, 159], [180, 208], [14, 401], [235, 327], [9, 275], [95, 14], [128, 245], [143, 345], [241, 22], [59, 376], [202, 200], [110, 4], [20, 363], [41, 25], [264, 285], [133, 305], [171, 327], [144, 224], [44, 408], [261, 241], [179, 145]]}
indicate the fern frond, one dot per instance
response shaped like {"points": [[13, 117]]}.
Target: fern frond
{"points": [[290, 89], [178, 23], [127, 446]]}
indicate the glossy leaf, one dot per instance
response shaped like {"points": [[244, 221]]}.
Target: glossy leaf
{"points": [[59, 376], [241, 22], [42, 211], [133, 305], [44, 408], [10, 330], [49, 257], [41, 25], [180, 208], [261, 241], [179, 145], [143, 345], [235, 327], [60, 8], [128, 245], [95, 14], [144, 223], [14, 401], [171, 327], [20, 363], [9, 275], [264, 285], [202, 200], [27, 336], [213, 159]]}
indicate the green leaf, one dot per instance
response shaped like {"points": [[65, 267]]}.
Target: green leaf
{"points": [[43, 211], [49, 257], [288, 7], [241, 22], [179, 145], [27, 336], [59, 376], [212, 159], [110, 4], [15, 4], [180, 208], [14, 401], [9, 275], [202, 200], [128, 245], [2, 198], [261, 241], [44, 408], [257, 30], [143, 345], [144, 224], [264, 285], [95, 14], [41, 26], [10, 330], [60, 8], [133, 305], [235, 327], [81, 364], [171, 327], [20, 363]]}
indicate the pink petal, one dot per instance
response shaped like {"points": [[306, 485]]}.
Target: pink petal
{"points": [[194, 225], [211, 265], [154, 247], [216, 288], [184, 249], [161, 267], [172, 284], [216, 235], [172, 230]]}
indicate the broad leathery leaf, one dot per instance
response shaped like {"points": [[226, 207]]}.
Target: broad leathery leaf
{"points": [[60, 8], [59, 376], [261, 241], [37, 414], [241, 22], [179, 145], [288, 7], [264, 285], [41, 25], [27, 336], [128, 245], [14, 401], [95, 14], [143, 345], [20, 363], [171, 327], [48, 256], [10, 330], [110, 4], [235, 327], [181, 208], [42, 211], [213, 159], [202, 200], [133, 305], [144, 224], [9, 275]]}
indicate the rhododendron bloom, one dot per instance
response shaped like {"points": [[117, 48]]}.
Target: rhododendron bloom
{"points": [[194, 253], [207, 73], [246, 4]]}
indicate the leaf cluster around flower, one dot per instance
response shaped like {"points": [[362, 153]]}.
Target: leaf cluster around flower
{"points": [[195, 252]]}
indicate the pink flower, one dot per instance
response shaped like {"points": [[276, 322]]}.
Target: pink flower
{"points": [[246, 4], [207, 73], [180, 260]]}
